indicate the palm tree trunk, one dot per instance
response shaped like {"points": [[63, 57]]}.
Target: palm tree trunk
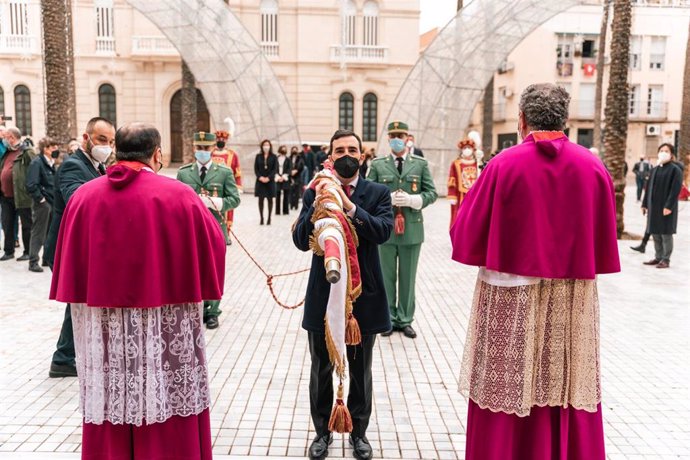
{"points": [[684, 137], [58, 68], [598, 141], [189, 117], [488, 119], [616, 111]]}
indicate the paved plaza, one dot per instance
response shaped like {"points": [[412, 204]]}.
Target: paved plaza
{"points": [[259, 361]]}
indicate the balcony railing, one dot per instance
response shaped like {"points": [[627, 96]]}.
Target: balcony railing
{"points": [[359, 54], [18, 44], [270, 49], [152, 46], [105, 45], [648, 110]]}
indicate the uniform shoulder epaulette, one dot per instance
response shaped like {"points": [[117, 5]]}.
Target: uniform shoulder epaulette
{"points": [[378, 159], [188, 165], [417, 157], [223, 166]]}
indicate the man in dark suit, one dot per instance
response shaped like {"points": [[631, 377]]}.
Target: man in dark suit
{"points": [[412, 148], [369, 207], [86, 164]]}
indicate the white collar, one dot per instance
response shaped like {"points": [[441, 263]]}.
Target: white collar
{"points": [[404, 156], [200, 165]]}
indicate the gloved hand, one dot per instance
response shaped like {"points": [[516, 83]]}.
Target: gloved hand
{"points": [[212, 202], [400, 199]]}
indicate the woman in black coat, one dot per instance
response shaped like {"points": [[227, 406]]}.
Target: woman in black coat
{"points": [[265, 169], [283, 181], [297, 163], [660, 203]]}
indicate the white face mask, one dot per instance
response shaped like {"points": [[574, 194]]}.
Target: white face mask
{"points": [[410, 144], [467, 152], [100, 153], [664, 157], [266, 148]]}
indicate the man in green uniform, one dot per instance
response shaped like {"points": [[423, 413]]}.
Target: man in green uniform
{"points": [[216, 187], [409, 180]]}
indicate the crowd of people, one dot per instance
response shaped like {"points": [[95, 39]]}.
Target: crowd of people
{"points": [[105, 206]]}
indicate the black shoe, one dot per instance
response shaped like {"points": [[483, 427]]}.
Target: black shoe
{"points": [[23, 257], [652, 262], [45, 264], [62, 370], [7, 257], [361, 448], [319, 447], [211, 322], [228, 243], [34, 267], [268, 222], [409, 332], [639, 248], [388, 333]]}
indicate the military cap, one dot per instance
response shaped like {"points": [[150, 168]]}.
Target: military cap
{"points": [[397, 127], [202, 138]]}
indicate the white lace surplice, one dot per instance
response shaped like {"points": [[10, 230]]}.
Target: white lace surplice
{"points": [[140, 365], [532, 342]]}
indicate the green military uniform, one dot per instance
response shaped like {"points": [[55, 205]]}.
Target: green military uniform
{"points": [[219, 182], [400, 254]]}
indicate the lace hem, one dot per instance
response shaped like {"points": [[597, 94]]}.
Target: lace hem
{"points": [[140, 365], [588, 408]]}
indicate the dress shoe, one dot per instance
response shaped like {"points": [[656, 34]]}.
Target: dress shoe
{"points": [[652, 262], [361, 448], [23, 257], [228, 243], [319, 447], [62, 370], [663, 264], [388, 333], [212, 322], [34, 267], [409, 332], [639, 248], [7, 257], [45, 264]]}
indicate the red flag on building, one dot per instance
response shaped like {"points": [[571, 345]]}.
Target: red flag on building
{"points": [[589, 69]]}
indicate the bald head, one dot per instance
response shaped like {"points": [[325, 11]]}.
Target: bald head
{"points": [[137, 142], [13, 135]]}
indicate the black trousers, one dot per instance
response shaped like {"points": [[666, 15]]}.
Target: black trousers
{"points": [[359, 398], [282, 196], [64, 353], [295, 194], [639, 181], [9, 216], [39, 229]]}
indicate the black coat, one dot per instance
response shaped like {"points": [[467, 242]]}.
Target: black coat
{"points": [[268, 168], [297, 162], [287, 166], [373, 222], [662, 192], [40, 180], [74, 172]]}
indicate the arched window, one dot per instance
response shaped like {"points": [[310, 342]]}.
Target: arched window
{"points": [[106, 103], [346, 111], [22, 109], [269, 27], [369, 117], [371, 24]]}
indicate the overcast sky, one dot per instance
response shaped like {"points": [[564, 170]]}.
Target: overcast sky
{"points": [[435, 13]]}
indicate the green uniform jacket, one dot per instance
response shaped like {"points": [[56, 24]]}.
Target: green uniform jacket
{"points": [[415, 180], [219, 182], [22, 198]]}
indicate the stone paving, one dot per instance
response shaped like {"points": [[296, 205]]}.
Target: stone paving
{"points": [[259, 358]]}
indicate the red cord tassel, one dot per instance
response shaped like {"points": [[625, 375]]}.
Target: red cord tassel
{"points": [[341, 420], [399, 223], [353, 336]]}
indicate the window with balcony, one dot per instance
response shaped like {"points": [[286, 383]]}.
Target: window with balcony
{"points": [[369, 117], [655, 101], [371, 24], [634, 101], [657, 53], [269, 27], [589, 48], [22, 109], [565, 48], [635, 53], [107, 103], [346, 112], [19, 17], [349, 20], [105, 27]]}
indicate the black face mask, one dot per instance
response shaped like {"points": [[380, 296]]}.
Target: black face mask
{"points": [[220, 144], [346, 166], [54, 154]]}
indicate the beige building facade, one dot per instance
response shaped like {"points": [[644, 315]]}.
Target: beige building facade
{"points": [[564, 50], [339, 67]]}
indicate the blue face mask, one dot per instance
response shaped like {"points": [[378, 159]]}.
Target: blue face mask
{"points": [[202, 156], [397, 145]]}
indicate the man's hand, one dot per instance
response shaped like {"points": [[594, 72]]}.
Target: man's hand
{"points": [[347, 204], [667, 212], [401, 198], [644, 211]]}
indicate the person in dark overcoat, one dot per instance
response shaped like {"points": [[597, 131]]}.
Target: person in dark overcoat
{"points": [[265, 169], [369, 207], [660, 204], [282, 178], [297, 163]]}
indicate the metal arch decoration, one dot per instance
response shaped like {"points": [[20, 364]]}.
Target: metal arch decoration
{"points": [[441, 91], [237, 81]]}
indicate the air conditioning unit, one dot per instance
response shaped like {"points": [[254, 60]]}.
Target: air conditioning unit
{"points": [[653, 130]]}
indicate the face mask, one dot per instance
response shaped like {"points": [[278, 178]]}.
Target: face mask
{"points": [[100, 153], [467, 153], [397, 145], [409, 144], [266, 148], [54, 154], [346, 166], [664, 157], [202, 156], [220, 144]]}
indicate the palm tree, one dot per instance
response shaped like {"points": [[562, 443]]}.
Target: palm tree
{"points": [[684, 137], [616, 111], [189, 116], [58, 68], [488, 118], [598, 141]]}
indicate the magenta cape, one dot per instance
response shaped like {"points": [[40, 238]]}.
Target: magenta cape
{"points": [[544, 208], [137, 239]]}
